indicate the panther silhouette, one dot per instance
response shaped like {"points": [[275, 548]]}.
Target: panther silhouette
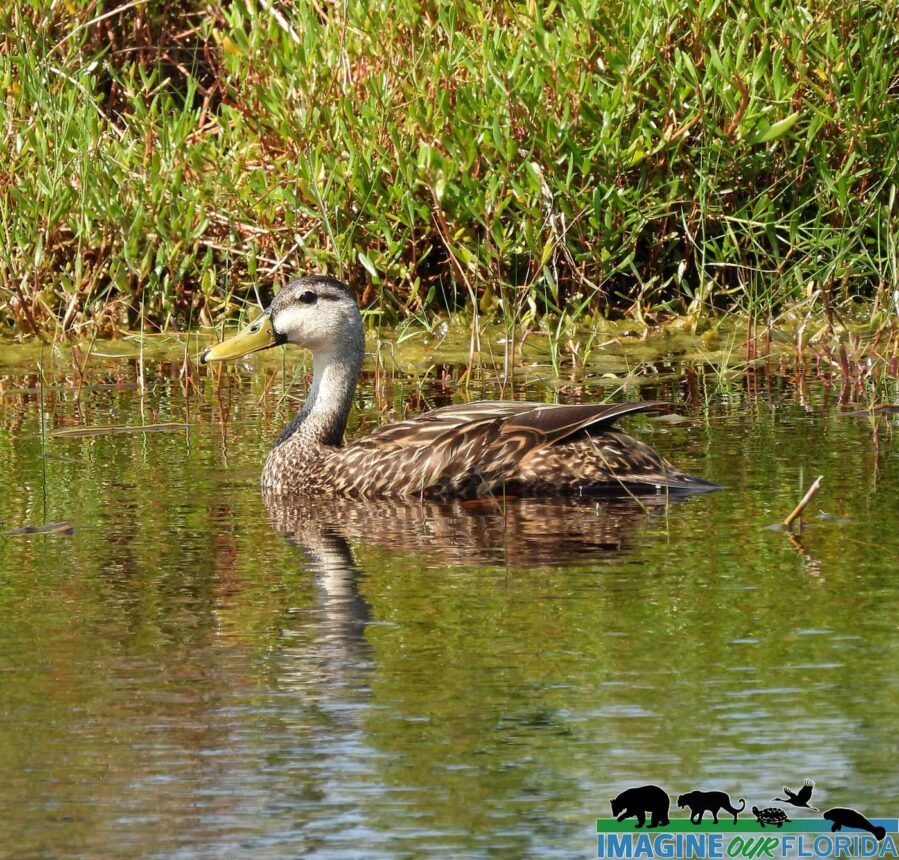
{"points": [[708, 801]]}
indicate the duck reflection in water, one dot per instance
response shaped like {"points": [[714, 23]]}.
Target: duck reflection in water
{"points": [[516, 533]]}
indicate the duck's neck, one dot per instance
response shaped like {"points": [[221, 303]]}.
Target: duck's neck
{"points": [[323, 418]]}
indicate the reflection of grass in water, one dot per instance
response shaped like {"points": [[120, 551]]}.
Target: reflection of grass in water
{"points": [[43, 429]]}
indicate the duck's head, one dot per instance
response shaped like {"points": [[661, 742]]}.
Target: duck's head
{"points": [[317, 312]]}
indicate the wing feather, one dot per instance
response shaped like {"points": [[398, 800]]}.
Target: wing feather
{"points": [[428, 428], [544, 423], [555, 423]]}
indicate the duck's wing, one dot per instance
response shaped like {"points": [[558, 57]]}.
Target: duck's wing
{"points": [[429, 427], [532, 423], [547, 425], [472, 447]]}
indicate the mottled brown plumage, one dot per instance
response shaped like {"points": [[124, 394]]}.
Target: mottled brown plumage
{"points": [[470, 450]]}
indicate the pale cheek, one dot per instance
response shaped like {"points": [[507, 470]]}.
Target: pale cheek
{"points": [[316, 327], [294, 323]]}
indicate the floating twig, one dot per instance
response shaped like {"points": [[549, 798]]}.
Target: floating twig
{"points": [[805, 500], [61, 528], [110, 429]]}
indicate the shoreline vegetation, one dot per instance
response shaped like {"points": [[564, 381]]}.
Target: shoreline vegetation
{"points": [[522, 163]]}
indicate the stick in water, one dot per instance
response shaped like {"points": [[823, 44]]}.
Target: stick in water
{"points": [[805, 500]]}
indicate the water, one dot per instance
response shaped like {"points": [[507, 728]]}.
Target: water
{"points": [[185, 672]]}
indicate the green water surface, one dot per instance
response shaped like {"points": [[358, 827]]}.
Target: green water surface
{"points": [[186, 672]]}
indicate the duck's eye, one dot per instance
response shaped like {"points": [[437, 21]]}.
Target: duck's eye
{"points": [[308, 298]]}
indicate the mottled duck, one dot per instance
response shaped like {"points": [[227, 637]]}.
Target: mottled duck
{"points": [[499, 448]]}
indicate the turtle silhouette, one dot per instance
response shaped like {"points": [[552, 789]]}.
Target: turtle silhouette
{"points": [[799, 798], [770, 815]]}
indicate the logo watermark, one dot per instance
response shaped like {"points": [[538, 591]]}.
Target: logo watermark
{"points": [[642, 828]]}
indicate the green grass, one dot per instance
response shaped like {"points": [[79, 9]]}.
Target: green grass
{"points": [[513, 160]]}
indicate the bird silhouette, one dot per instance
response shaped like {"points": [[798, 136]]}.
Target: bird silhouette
{"points": [[801, 797]]}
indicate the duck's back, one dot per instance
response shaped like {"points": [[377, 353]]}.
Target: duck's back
{"points": [[504, 448]]}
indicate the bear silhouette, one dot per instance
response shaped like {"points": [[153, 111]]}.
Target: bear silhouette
{"points": [[636, 802]]}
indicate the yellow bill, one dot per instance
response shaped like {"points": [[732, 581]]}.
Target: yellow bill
{"points": [[258, 335]]}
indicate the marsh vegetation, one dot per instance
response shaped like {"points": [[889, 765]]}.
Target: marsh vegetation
{"points": [[546, 165]]}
